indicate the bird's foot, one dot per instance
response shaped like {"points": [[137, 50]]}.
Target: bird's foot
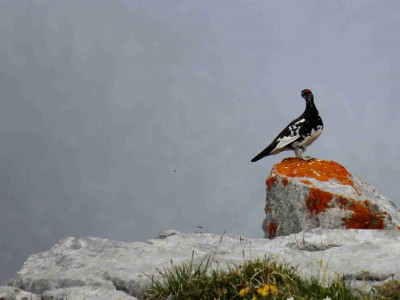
{"points": [[300, 154], [307, 158]]}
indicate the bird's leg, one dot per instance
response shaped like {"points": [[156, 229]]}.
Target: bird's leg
{"points": [[307, 157], [299, 151]]}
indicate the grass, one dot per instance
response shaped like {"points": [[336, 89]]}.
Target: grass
{"points": [[389, 290], [255, 279]]}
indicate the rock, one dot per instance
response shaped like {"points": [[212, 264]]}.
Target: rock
{"points": [[9, 292], [166, 233], [74, 293], [87, 267], [85, 262], [322, 194], [86, 293]]}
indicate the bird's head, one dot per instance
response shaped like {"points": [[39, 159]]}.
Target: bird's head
{"points": [[305, 92], [307, 95]]}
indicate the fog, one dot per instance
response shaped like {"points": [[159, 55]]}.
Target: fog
{"points": [[120, 119]]}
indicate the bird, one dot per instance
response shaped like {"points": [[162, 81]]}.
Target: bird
{"points": [[299, 134]]}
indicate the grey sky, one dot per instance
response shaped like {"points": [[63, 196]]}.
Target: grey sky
{"points": [[120, 119]]}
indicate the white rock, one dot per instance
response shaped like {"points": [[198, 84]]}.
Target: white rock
{"points": [[88, 264], [86, 293], [12, 293]]}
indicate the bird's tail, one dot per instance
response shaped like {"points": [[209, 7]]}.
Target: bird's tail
{"points": [[262, 154]]}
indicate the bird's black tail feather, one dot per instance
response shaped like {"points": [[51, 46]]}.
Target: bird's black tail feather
{"points": [[256, 158], [262, 154]]}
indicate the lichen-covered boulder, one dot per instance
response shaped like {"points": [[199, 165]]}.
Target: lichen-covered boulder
{"points": [[323, 194]]}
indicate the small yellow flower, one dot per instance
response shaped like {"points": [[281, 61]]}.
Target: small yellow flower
{"points": [[244, 291], [267, 289], [254, 298]]}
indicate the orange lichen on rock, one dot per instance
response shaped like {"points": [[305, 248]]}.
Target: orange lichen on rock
{"points": [[306, 182], [321, 170], [362, 217], [318, 200], [325, 195], [270, 182], [272, 227]]}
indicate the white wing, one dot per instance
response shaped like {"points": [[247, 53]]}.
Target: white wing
{"points": [[283, 142]]}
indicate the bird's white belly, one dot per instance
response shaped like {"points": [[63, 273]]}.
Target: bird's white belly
{"points": [[310, 139]]}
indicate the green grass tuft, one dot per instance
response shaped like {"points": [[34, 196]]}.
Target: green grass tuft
{"points": [[256, 279]]}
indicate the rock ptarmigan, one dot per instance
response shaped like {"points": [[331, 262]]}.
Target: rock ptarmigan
{"points": [[299, 134]]}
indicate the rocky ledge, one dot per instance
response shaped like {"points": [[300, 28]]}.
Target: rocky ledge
{"points": [[317, 193], [95, 268], [323, 219]]}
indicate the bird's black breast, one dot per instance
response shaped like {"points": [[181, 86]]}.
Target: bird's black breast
{"points": [[310, 130]]}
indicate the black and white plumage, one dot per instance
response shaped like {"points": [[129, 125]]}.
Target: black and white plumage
{"points": [[299, 134]]}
